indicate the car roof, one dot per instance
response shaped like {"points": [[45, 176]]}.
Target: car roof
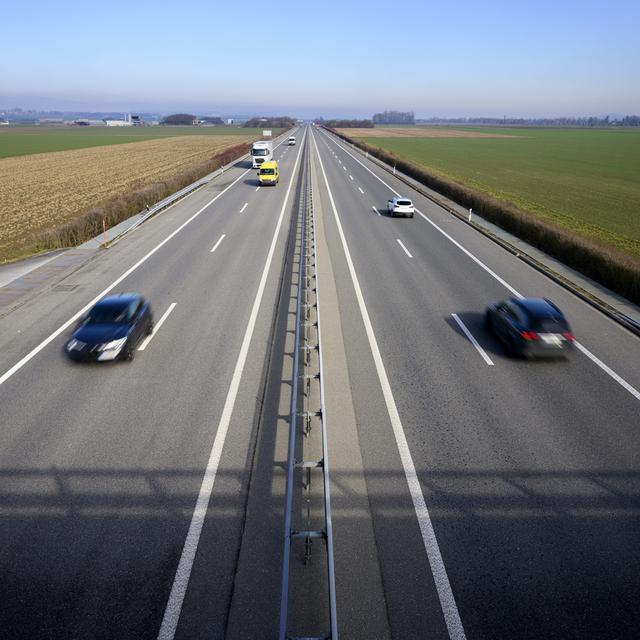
{"points": [[539, 308], [119, 299]]}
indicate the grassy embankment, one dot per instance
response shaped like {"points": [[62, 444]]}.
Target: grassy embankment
{"points": [[572, 192], [59, 199]]}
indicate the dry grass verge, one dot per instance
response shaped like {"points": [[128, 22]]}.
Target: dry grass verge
{"points": [[607, 265], [56, 200]]}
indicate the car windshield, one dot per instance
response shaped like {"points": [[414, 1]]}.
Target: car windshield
{"points": [[404, 203], [108, 314], [260, 152], [266, 172]]}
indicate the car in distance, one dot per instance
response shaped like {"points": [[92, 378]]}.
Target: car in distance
{"points": [[292, 141], [112, 329], [530, 327], [399, 206], [268, 173]]}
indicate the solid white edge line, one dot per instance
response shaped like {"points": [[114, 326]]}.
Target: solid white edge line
{"points": [[160, 322], [610, 372], [113, 285], [440, 577], [183, 572], [217, 244], [621, 381], [244, 206], [405, 248], [473, 341]]}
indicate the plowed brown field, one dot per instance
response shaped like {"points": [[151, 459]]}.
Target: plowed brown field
{"points": [[417, 132], [43, 190]]}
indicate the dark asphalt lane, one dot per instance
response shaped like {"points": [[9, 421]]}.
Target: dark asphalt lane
{"points": [[530, 470], [101, 465]]}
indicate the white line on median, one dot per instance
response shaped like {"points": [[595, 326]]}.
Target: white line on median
{"points": [[610, 372], [405, 248], [244, 206], [217, 244], [350, 177], [473, 341], [160, 322], [257, 188], [376, 210], [183, 572], [360, 190], [438, 570]]}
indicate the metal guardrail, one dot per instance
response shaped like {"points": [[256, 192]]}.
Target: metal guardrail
{"points": [[603, 307], [307, 370]]}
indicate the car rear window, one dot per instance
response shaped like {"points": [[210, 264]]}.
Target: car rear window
{"points": [[404, 203], [550, 326]]}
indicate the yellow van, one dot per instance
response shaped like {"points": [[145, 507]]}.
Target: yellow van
{"points": [[268, 173]]}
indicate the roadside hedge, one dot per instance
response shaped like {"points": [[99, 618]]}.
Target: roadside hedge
{"points": [[89, 224], [607, 265]]}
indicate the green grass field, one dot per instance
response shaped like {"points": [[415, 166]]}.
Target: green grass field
{"points": [[584, 180], [19, 141]]}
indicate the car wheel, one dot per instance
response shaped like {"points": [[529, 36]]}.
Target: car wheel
{"points": [[129, 353], [149, 328]]}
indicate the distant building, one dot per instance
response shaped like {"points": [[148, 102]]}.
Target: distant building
{"points": [[117, 123]]}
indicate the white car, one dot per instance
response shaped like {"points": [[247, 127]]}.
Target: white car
{"points": [[399, 206], [292, 141]]}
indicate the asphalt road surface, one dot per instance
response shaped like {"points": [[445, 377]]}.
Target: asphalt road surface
{"points": [[475, 495]]}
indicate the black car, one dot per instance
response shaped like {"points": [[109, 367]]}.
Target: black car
{"points": [[112, 329], [531, 327]]}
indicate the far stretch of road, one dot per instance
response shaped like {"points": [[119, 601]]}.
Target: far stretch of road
{"points": [[474, 495]]}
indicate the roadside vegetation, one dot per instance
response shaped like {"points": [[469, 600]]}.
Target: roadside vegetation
{"points": [[572, 193], [56, 200]]}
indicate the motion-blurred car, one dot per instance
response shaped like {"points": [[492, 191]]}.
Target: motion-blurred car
{"points": [[292, 141], [112, 329], [530, 327], [398, 206]]}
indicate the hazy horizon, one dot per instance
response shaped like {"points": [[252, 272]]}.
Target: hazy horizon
{"points": [[538, 60]]}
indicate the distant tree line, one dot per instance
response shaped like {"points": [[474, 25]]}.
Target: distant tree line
{"points": [[626, 121], [279, 122], [179, 118], [394, 117], [348, 124]]}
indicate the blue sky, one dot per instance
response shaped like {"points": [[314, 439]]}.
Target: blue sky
{"points": [[489, 58]]}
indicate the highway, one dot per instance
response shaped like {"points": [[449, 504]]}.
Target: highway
{"points": [[474, 495]]}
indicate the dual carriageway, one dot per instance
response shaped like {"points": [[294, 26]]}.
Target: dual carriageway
{"points": [[473, 495]]}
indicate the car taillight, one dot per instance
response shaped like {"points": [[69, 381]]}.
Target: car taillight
{"points": [[569, 336], [529, 335]]}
